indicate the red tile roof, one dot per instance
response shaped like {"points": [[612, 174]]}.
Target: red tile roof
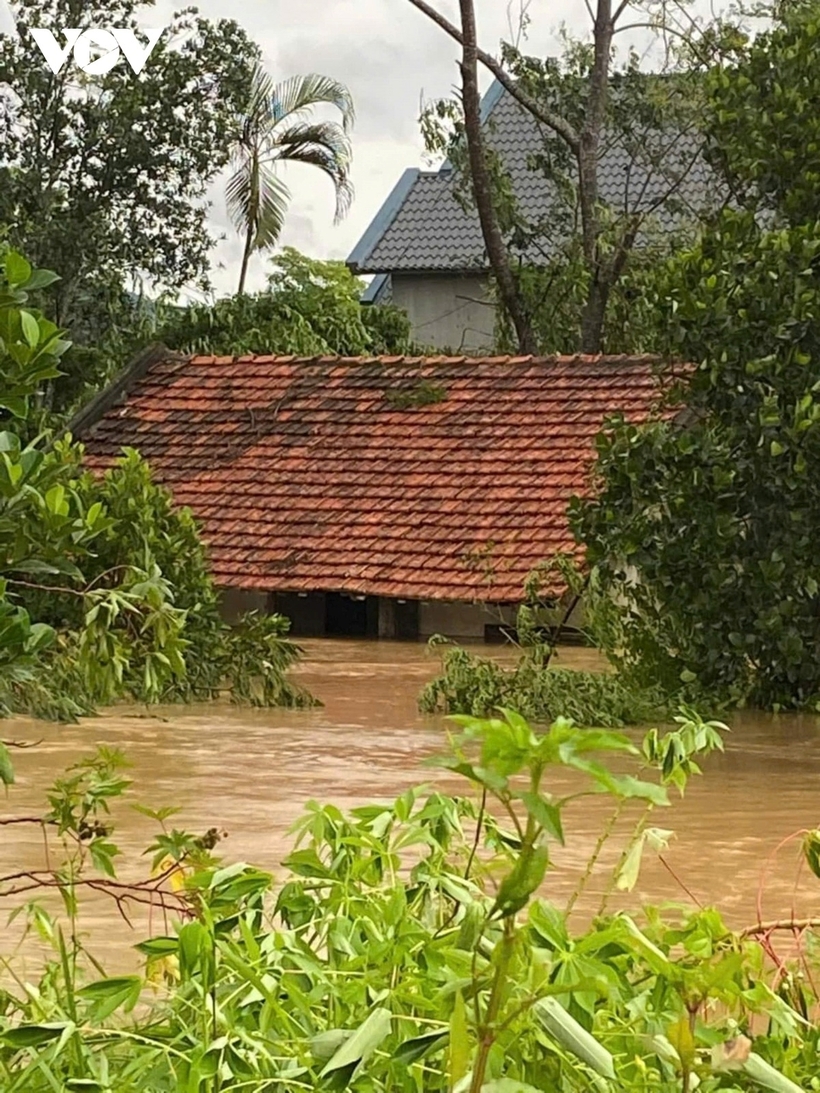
{"points": [[315, 474]]}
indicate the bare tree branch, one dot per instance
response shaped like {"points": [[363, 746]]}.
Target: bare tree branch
{"points": [[547, 117]]}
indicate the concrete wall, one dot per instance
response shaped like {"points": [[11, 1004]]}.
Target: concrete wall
{"points": [[462, 621], [447, 312], [235, 602]]}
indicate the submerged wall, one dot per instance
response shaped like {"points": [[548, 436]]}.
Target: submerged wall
{"points": [[333, 614]]}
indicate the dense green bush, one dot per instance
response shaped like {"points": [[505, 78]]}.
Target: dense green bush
{"points": [[310, 307], [144, 531], [104, 586], [475, 685]]}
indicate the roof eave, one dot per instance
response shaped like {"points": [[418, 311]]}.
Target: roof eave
{"points": [[358, 257], [118, 389]]}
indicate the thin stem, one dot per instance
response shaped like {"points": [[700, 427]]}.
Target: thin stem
{"points": [[603, 838], [487, 1030]]}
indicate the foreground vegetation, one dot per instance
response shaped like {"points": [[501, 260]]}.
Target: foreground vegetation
{"points": [[409, 947], [104, 586]]}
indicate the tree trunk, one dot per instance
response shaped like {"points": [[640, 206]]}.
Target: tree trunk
{"points": [[592, 318], [246, 257], [593, 315], [493, 241]]}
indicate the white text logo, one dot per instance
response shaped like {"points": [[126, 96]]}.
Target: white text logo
{"points": [[96, 52]]}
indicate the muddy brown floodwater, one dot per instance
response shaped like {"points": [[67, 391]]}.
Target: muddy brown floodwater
{"points": [[251, 773]]}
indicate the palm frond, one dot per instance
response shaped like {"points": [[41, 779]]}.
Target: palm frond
{"points": [[323, 145], [276, 125], [257, 201], [240, 197], [274, 198], [300, 94]]}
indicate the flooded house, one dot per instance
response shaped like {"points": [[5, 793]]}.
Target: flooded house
{"points": [[391, 497]]}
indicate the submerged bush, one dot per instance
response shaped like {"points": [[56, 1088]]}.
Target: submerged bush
{"points": [[475, 685], [149, 543], [105, 591]]}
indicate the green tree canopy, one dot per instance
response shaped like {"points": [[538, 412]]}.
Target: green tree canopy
{"points": [[707, 527], [104, 179], [309, 307], [763, 115]]}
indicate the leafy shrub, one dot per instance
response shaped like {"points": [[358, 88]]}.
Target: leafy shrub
{"points": [[104, 586], [407, 949], [146, 534], [310, 307], [477, 686]]}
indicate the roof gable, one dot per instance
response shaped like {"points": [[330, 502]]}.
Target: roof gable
{"points": [[422, 227], [430, 478]]}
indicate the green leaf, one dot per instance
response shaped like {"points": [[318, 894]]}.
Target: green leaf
{"points": [[412, 1050], [156, 947], [681, 1038], [6, 767], [40, 278], [657, 838], [627, 876], [34, 1035], [811, 851], [525, 878], [765, 1075], [361, 1045], [325, 1045], [108, 995], [193, 938], [572, 1036], [545, 813], [31, 329], [18, 270]]}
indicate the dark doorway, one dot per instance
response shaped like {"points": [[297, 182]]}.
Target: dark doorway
{"points": [[407, 620], [306, 612], [350, 617]]}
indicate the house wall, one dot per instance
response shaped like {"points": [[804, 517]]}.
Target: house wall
{"points": [[382, 617], [460, 620], [447, 312], [235, 602]]}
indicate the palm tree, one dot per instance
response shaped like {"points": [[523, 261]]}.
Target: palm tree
{"points": [[277, 126]]}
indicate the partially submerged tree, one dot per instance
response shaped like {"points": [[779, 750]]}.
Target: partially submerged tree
{"points": [[582, 107], [706, 528], [276, 126], [104, 587]]}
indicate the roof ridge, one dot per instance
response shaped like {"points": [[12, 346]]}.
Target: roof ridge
{"points": [[429, 358]]}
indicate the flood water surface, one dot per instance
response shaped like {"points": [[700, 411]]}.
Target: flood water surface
{"points": [[250, 773]]}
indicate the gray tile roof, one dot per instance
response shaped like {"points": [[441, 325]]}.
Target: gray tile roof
{"points": [[422, 227]]}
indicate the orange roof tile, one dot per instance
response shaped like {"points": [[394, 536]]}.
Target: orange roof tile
{"points": [[312, 474]]}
